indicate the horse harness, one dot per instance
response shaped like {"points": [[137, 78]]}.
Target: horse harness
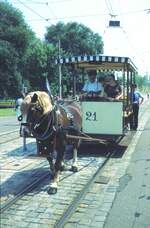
{"points": [[46, 139]]}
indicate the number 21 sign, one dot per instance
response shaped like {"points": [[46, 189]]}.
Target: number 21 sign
{"points": [[91, 116]]}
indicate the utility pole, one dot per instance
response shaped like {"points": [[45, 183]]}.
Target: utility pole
{"points": [[60, 73]]}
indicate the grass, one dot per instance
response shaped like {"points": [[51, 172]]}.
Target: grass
{"points": [[7, 103], [7, 112]]}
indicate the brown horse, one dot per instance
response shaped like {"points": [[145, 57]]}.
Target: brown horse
{"points": [[50, 124]]}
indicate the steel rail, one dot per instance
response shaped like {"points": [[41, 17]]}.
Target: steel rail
{"points": [[9, 140], [31, 187], [28, 188], [9, 132], [75, 203]]}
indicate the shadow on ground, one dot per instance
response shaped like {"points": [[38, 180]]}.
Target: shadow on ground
{"points": [[19, 152], [20, 180]]}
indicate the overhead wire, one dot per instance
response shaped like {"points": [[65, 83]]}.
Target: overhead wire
{"points": [[111, 12], [33, 11], [133, 47], [45, 2], [71, 17], [108, 5], [51, 10], [134, 12], [86, 15]]}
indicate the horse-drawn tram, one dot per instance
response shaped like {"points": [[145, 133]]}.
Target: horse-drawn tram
{"points": [[105, 115], [100, 115]]}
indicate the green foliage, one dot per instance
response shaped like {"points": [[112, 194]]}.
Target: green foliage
{"points": [[76, 39], [15, 37], [40, 64], [7, 103], [143, 83], [13, 28], [8, 61], [7, 112], [24, 59]]}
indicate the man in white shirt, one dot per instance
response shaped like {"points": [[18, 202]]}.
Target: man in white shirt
{"points": [[19, 101], [92, 86]]}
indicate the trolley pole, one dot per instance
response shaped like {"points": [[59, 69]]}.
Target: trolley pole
{"points": [[60, 73]]}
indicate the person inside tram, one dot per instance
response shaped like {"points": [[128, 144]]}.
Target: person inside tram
{"points": [[92, 88], [112, 89]]}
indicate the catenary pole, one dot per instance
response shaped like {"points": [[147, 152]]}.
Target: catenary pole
{"points": [[60, 73]]}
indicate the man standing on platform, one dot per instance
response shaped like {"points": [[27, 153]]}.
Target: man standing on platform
{"points": [[137, 99]]}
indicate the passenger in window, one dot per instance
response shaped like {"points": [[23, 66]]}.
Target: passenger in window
{"points": [[112, 89], [92, 87]]}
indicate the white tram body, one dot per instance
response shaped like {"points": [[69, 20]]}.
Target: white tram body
{"points": [[101, 117]]}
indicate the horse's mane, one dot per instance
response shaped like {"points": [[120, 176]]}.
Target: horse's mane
{"points": [[43, 99]]}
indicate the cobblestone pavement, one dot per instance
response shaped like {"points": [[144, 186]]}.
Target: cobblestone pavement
{"points": [[9, 136], [94, 208], [16, 167], [38, 209], [8, 122]]}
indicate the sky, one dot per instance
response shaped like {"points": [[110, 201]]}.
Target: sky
{"points": [[131, 39]]}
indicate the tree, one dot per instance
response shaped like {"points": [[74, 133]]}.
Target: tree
{"points": [[76, 39], [25, 59], [15, 38], [40, 64], [142, 83]]}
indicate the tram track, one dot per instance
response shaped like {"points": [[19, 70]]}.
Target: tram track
{"points": [[77, 196], [73, 205], [77, 200], [9, 136], [5, 206], [28, 188]]}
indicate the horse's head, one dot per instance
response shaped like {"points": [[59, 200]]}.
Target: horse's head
{"points": [[34, 107], [35, 110]]}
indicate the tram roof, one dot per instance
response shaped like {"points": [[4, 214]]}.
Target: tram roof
{"points": [[99, 62]]}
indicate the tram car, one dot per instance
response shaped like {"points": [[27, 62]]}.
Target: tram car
{"points": [[103, 118], [94, 118]]}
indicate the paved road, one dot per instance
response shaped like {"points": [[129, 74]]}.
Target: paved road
{"points": [[131, 208], [95, 207], [8, 124]]}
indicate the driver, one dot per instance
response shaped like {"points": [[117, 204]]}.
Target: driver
{"points": [[92, 86]]}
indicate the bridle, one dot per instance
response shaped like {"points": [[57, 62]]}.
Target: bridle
{"points": [[51, 126]]}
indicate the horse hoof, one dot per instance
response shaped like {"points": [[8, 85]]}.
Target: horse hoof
{"points": [[52, 190], [74, 169]]}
